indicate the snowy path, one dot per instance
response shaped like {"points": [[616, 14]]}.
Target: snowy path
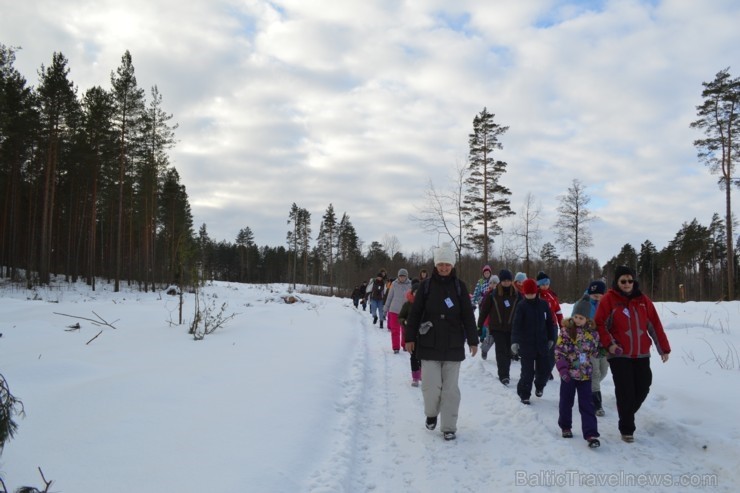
{"points": [[501, 444], [309, 397]]}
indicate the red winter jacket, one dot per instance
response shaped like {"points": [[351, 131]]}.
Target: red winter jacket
{"points": [[552, 301], [632, 323]]}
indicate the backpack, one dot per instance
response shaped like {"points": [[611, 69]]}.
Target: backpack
{"points": [[425, 289]]}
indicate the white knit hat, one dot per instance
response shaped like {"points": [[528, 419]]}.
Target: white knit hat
{"points": [[444, 254]]}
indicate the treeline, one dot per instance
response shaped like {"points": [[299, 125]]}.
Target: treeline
{"points": [[87, 191], [87, 187]]}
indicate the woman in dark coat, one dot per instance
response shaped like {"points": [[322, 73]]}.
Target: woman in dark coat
{"points": [[440, 322]]}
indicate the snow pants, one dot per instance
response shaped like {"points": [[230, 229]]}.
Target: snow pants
{"points": [[441, 392], [632, 378], [600, 368], [534, 370], [568, 391], [502, 345], [396, 332]]}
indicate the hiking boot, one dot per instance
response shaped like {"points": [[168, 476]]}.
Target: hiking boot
{"points": [[525, 401], [505, 381], [375, 320], [628, 438], [484, 355], [567, 433], [593, 442], [431, 423], [414, 383], [381, 325], [449, 435], [395, 351], [600, 412], [538, 392]]}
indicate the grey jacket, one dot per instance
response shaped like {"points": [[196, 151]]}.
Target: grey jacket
{"points": [[397, 296]]}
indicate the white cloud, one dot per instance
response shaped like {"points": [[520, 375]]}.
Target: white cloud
{"points": [[359, 103]]}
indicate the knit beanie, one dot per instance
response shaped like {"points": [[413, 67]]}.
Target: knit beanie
{"points": [[520, 277], [542, 279], [486, 268], [623, 270], [597, 287], [403, 272], [582, 307], [505, 275], [529, 286], [444, 255]]}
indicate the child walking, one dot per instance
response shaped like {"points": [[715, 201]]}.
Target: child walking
{"points": [[532, 339], [402, 317], [578, 342]]}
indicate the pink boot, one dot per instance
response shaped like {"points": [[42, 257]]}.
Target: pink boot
{"points": [[415, 378]]}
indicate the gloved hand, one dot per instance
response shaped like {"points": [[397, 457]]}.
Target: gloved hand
{"points": [[550, 344], [565, 376], [616, 350], [515, 349]]}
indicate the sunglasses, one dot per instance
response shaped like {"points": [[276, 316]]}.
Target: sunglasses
{"points": [[626, 281]]}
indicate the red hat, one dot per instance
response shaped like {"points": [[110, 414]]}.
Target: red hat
{"points": [[529, 286]]}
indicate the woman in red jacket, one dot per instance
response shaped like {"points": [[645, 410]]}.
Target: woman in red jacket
{"points": [[628, 324]]}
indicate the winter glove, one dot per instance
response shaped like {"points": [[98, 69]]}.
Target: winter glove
{"points": [[616, 350], [565, 376], [515, 349]]}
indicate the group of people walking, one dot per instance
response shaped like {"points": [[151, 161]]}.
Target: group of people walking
{"points": [[433, 318]]}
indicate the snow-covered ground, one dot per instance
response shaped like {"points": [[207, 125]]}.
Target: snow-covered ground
{"points": [[309, 397]]}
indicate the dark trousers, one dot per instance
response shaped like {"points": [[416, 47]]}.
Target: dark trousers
{"points": [[415, 362], [568, 392], [534, 369], [551, 351], [502, 343], [632, 378]]}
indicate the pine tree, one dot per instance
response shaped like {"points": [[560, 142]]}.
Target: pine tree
{"points": [[648, 268], [129, 106], [178, 251], [245, 242], [158, 136], [327, 242], [348, 247], [100, 140], [19, 123], [60, 114], [719, 119], [549, 255], [486, 200]]}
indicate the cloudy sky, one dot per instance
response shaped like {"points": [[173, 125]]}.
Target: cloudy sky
{"points": [[360, 103]]}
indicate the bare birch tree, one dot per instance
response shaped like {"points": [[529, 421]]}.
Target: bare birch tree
{"points": [[574, 217], [442, 212]]}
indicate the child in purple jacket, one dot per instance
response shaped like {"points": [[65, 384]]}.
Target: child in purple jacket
{"points": [[577, 343]]}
